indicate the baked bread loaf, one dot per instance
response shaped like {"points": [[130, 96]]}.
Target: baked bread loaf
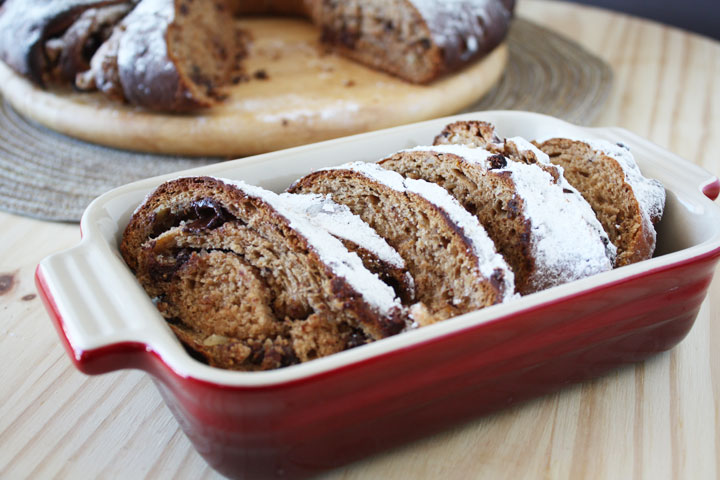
{"points": [[168, 55], [547, 234], [453, 262], [40, 40], [627, 204], [249, 284], [416, 40], [177, 55]]}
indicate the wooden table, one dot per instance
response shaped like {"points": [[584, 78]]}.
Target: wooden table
{"points": [[658, 419]]}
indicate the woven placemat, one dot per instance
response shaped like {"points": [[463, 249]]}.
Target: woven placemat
{"points": [[49, 176]]}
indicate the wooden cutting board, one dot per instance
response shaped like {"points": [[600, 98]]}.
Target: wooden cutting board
{"points": [[298, 93]]}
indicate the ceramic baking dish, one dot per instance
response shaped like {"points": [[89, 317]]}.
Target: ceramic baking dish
{"points": [[306, 418]]}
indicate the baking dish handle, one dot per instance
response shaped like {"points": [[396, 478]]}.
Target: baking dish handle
{"points": [[100, 332], [711, 188]]}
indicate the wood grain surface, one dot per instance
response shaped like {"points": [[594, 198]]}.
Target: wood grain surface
{"points": [[655, 420]]}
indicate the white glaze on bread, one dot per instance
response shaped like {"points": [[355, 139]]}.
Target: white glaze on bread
{"points": [[566, 239], [488, 260], [340, 222], [330, 250]]}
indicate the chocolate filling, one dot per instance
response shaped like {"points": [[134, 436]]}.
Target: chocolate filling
{"points": [[208, 215], [163, 271], [203, 214], [497, 161], [497, 279], [357, 338]]}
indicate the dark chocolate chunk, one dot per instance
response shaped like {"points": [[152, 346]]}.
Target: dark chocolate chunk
{"points": [[497, 161], [209, 215]]}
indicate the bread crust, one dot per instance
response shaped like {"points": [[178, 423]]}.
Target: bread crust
{"points": [[437, 252], [503, 195], [186, 223], [25, 26], [603, 181]]}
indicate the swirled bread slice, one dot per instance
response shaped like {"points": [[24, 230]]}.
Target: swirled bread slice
{"points": [[453, 262], [548, 234], [219, 306], [627, 204], [357, 236], [51, 41], [319, 298], [171, 55]]}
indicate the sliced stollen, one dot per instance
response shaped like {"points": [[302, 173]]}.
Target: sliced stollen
{"points": [[547, 234], [319, 298], [627, 204], [168, 55], [33, 41], [476, 133], [219, 306], [453, 262], [357, 236]]}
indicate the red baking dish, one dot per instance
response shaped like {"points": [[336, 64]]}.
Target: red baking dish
{"points": [[307, 418]]}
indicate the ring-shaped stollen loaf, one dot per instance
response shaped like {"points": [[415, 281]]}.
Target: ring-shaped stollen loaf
{"points": [[177, 55]]}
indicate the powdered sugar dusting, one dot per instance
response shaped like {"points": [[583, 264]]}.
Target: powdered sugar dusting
{"points": [[147, 21], [339, 221], [567, 241], [573, 195], [483, 247], [565, 235], [649, 192], [475, 155], [454, 21], [374, 171], [525, 146], [330, 250]]}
